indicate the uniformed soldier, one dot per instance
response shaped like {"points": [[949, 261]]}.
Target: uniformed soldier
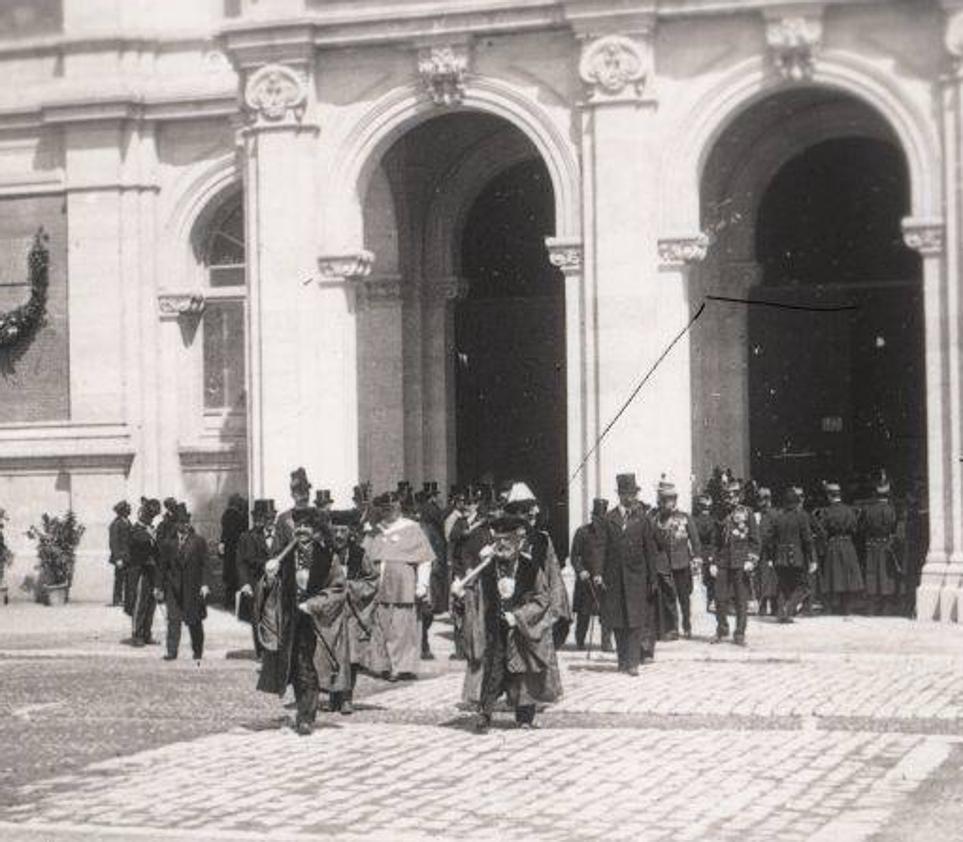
{"points": [[883, 571], [682, 548], [841, 576], [705, 525], [767, 588], [794, 555], [589, 541], [736, 556]]}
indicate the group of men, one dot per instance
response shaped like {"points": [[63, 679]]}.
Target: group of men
{"points": [[333, 592]]}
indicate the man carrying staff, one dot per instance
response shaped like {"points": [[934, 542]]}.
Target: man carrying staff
{"points": [[626, 575], [301, 616], [587, 541], [403, 557], [141, 571], [506, 605], [362, 592], [182, 584], [254, 548]]}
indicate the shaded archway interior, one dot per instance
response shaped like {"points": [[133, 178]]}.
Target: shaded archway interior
{"points": [[804, 194], [458, 392]]}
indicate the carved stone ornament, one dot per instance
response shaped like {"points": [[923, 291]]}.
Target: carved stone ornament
{"points": [[793, 42], [345, 267], [380, 290], [678, 251], [174, 305], [924, 235], [275, 92], [565, 255], [442, 70], [447, 288], [614, 67]]}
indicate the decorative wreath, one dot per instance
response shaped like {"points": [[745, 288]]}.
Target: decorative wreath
{"points": [[22, 323]]}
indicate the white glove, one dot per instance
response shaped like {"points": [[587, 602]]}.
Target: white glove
{"points": [[220, 548], [303, 607], [510, 620], [749, 566], [597, 581], [458, 589], [713, 570], [584, 575], [271, 566], [421, 591], [813, 566], [486, 551], [205, 591]]}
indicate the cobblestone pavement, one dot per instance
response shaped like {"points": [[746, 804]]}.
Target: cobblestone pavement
{"points": [[792, 739]]}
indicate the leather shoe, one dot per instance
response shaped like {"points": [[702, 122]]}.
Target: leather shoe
{"points": [[169, 657], [633, 672], [347, 708]]}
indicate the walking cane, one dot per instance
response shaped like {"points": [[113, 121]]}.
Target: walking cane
{"points": [[591, 628]]}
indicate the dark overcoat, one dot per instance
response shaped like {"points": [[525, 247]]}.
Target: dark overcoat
{"points": [[878, 527], [253, 550], [361, 602], [276, 612], [588, 541], [841, 573], [182, 570], [119, 537], [628, 570], [792, 539]]}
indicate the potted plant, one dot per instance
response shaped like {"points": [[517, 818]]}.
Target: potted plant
{"points": [[6, 558], [57, 539]]}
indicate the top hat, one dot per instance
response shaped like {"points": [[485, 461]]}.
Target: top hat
{"points": [[299, 480], [345, 517], [599, 507], [122, 508], [361, 493], [507, 523], [666, 489], [430, 489], [264, 508], [322, 497], [181, 515], [151, 506], [388, 498], [626, 484]]}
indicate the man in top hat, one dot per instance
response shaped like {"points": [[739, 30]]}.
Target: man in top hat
{"points": [[508, 624], [301, 615], [301, 496], [119, 541], [362, 591], [403, 556], [141, 572], [884, 573], [793, 554], [841, 576], [234, 524], [682, 553], [626, 574], [167, 527], [469, 534], [767, 584], [324, 503], [735, 558], [254, 548], [521, 500], [182, 584], [705, 525], [589, 541]]}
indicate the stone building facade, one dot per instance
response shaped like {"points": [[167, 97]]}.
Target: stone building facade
{"points": [[289, 232]]}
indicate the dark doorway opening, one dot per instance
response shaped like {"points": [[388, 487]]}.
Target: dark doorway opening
{"points": [[510, 339], [837, 394]]}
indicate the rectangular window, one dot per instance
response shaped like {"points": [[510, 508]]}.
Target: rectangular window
{"points": [[224, 356]]}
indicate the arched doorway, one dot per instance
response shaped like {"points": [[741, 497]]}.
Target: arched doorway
{"points": [[510, 341], [461, 340], [818, 373]]}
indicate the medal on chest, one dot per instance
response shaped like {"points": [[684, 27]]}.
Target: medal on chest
{"points": [[740, 524], [506, 580]]}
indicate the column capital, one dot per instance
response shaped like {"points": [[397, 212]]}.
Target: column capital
{"points": [[565, 254], [616, 68], [442, 68], [349, 266], [681, 250], [924, 234], [445, 288], [175, 305], [794, 36]]}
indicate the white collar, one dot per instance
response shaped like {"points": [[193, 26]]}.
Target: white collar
{"points": [[401, 523]]}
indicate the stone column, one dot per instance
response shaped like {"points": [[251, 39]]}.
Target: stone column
{"points": [[566, 256], [632, 323], [440, 297], [677, 254], [939, 584], [301, 391], [381, 381]]}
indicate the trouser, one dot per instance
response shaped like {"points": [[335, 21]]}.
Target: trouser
{"points": [[732, 585], [258, 649], [120, 578], [628, 646], [560, 631], [144, 604], [710, 586], [427, 618], [791, 584], [175, 617], [305, 677], [337, 697], [682, 579], [230, 579], [525, 714], [666, 611], [582, 623]]}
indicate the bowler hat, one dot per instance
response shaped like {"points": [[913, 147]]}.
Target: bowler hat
{"points": [[626, 484], [388, 498], [599, 507]]}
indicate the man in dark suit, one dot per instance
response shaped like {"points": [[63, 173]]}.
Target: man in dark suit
{"points": [[141, 570], [234, 524], [626, 576], [735, 558], [182, 584], [119, 537], [253, 550], [794, 554], [587, 602]]}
